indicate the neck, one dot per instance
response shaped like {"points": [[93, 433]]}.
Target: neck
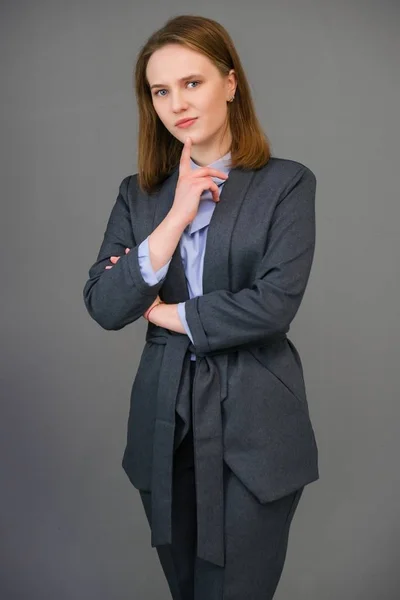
{"points": [[205, 155]]}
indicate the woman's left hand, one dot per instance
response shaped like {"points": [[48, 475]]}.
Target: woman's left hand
{"points": [[115, 259]]}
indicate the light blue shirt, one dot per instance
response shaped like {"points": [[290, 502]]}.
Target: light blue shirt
{"points": [[192, 245]]}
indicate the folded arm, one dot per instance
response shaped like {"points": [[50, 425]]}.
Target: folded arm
{"points": [[118, 296], [221, 319]]}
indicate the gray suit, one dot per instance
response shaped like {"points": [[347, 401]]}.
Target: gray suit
{"points": [[249, 405]]}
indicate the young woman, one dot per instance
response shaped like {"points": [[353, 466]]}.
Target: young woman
{"points": [[212, 241]]}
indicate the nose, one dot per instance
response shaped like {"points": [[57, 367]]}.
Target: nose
{"points": [[178, 102]]}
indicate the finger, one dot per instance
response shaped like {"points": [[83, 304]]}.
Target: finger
{"points": [[127, 250], [215, 192], [206, 183], [184, 163], [210, 172], [109, 267]]}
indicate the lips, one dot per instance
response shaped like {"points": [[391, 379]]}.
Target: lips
{"points": [[182, 121]]}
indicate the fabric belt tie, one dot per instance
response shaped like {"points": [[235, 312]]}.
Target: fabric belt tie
{"points": [[209, 389]]}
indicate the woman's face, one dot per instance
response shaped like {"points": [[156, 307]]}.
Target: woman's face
{"points": [[184, 84]]}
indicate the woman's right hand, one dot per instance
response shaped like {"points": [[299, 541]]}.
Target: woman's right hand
{"points": [[191, 184]]}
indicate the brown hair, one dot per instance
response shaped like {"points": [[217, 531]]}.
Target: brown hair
{"points": [[158, 151]]}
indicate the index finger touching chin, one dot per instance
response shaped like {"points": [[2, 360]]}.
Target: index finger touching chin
{"points": [[184, 163]]}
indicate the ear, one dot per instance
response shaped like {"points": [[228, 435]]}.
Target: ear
{"points": [[232, 83]]}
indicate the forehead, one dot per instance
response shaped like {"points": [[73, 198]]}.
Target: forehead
{"points": [[173, 61]]}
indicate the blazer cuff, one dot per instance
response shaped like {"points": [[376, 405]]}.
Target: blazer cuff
{"points": [[196, 328]]}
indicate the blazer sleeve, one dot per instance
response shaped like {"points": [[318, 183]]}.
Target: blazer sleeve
{"points": [[222, 319], [118, 296]]}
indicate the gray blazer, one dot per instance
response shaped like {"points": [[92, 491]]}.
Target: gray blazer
{"points": [[249, 404]]}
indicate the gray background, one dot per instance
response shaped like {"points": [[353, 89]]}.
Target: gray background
{"points": [[326, 87]]}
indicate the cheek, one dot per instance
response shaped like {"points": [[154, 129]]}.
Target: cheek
{"points": [[213, 102], [216, 110]]}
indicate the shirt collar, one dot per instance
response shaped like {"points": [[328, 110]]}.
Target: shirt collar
{"points": [[222, 164]]}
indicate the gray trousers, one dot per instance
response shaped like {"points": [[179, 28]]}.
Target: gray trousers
{"points": [[256, 538]]}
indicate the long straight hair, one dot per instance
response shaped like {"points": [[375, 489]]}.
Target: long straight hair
{"points": [[158, 150]]}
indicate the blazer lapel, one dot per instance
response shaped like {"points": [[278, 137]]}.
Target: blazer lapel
{"points": [[216, 275], [216, 259]]}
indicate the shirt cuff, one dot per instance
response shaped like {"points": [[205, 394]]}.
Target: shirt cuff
{"points": [[149, 275], [182, 315]]}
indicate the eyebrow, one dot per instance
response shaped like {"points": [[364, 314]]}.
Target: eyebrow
{"points": [[155, 85]]}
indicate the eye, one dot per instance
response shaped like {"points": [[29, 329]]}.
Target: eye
{"points": [[163, 90]]}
